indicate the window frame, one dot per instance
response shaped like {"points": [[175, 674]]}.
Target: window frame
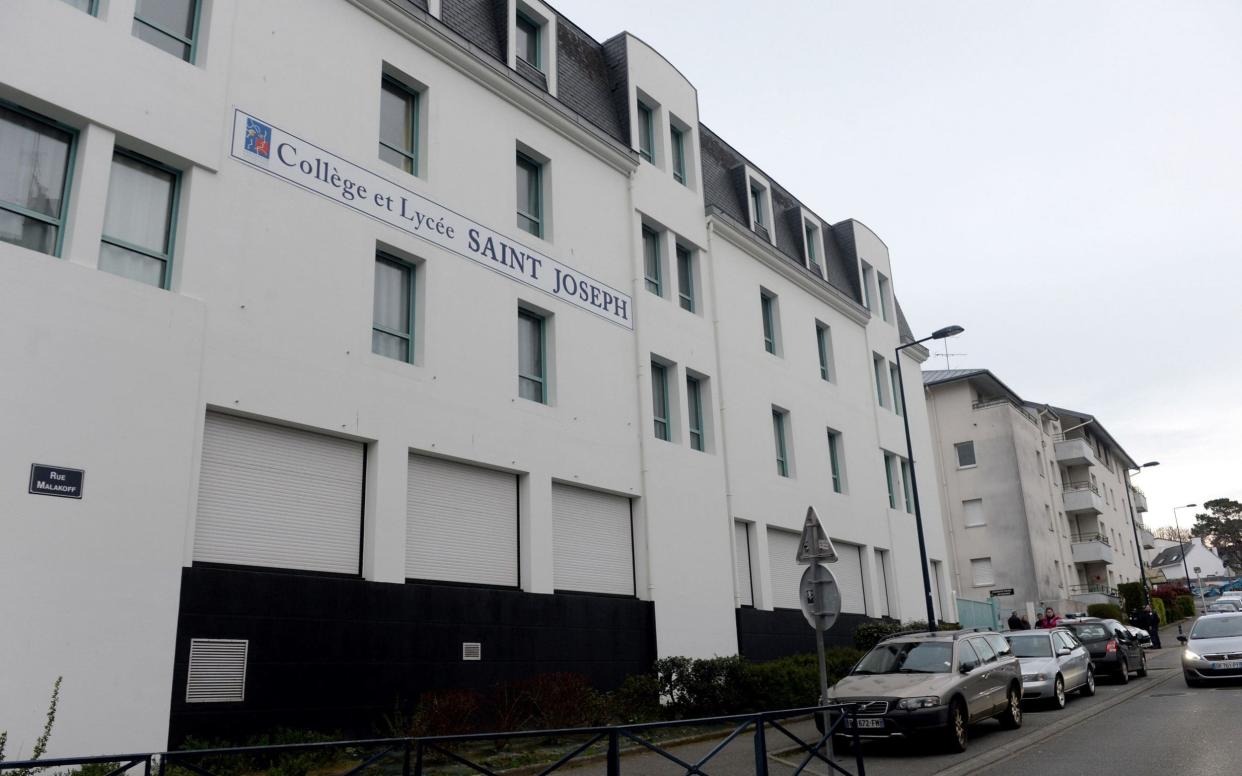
{"points": [[685, 278], [957, 451], [767, 311], [890, 476], [779, 438], [677, 139], [92, 7], [191, 55], [417, 98], [536, 35], [174, 206], [823, 344], [646, 131], [654, 284], [834, 461], [865, 281], [894, 380], [536, 218], [542, 378], [694, 413], [756, 204], [410, 355], [906, 469], [60, 223], [659, 380], [882, 285], [878, 364]]}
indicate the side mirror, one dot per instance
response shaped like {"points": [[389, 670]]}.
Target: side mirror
{"points": [[1183, 639], [1063, 651], [966, 668]]}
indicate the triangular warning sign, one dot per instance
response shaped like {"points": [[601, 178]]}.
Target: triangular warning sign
{"points": [[815, 546]]}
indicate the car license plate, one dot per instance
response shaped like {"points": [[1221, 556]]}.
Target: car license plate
{"points": [[1227, 665], [866, 723]]}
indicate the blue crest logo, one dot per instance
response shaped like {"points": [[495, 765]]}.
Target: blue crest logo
{"points": [[258, 138]]}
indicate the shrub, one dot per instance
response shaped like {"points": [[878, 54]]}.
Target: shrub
{"points": [[694, 688], [636, 700], [295, 763], [1132, 598], [1106, 611], [40, 744], [1186, 605], [447, 713], [1157, 605]]}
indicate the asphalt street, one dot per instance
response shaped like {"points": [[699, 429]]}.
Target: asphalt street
{"points": [[1145, 727]]}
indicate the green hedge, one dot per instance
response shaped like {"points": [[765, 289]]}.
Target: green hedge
{"points": [[1106, 611], [1132, 598], [1186, 605], [1157, 604]]}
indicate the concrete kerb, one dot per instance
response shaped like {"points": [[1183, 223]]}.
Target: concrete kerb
{"points": [[1005, 751]]}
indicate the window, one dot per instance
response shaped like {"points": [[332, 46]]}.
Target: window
{"points": [[767, 307], [1039, 462], [685, 277], [651, 261], [778, 434], [678, 138], [529, 195], [90, 6], [972, 510], [881, 379], [905, 485], [532, 367], [527, 41], [823, 342], [694, 402], [398, 140], [139, 220], [756, 204], [981, 571], [659, 401], [890, 475], [883, 293], [392, 327], [835, 461], [646, 132], [35, 168], [171, 25], [895, 377], [965, 454], [866, 286], [812, 257]]}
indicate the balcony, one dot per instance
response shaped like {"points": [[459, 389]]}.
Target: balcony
{"points": [[1091, 548], [1094, 594], [1082, 497], [1075, 452], [1139, 499], [1146, 536]]}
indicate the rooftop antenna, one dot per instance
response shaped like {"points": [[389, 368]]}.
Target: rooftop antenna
{"points": [[946, 354]]}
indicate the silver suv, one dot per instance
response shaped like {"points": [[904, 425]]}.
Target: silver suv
{"points": [[935, 685]]}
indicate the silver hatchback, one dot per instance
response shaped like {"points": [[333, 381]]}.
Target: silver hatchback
{"points": [[1213, 649], [1054, 664]]}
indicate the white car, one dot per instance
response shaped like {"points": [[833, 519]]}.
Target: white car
{"points": [[1213, 649]]}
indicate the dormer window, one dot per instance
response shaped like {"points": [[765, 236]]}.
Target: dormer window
{"points": [[646, 132], [527, 43], [813, 246], [756, 206]]}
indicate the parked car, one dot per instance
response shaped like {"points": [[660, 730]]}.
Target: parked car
{"points": [[1213, 649], [1143, 636], [1054, 664], [1114, 650], [1212, 592], [1223, 607], [1234, 598], [935, 685]]}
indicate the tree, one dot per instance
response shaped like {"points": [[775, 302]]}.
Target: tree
{"points": [[1172, 534], [1221, 529]]}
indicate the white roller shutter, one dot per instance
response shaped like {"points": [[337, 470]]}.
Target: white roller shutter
{"points": [[278, 497], [783, 568], [462, 523], [592, 543], [848, 571], [882, 595], [741, 563]]}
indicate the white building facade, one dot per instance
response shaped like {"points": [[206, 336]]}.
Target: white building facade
{"points": [[364, 347], [1034, 497]]}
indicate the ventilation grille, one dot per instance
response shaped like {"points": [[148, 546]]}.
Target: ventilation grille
{"points": [[217, 671], [471, 650]]}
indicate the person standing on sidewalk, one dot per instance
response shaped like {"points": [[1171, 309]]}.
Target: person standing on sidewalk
{"points": [[1018, 623], [1151, 624], [1049, 620]]}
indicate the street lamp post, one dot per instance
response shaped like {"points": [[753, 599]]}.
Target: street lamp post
{"points": [[1181, 546], [1138, 543], [947, 331]]}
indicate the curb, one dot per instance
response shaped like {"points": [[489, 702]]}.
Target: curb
{"points": [[1004, 752]]}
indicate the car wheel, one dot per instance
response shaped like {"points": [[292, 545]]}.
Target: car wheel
{"points": [[1142, 669], [1088, 688], [955, 732], [1192, 681], [1123, 672], [1011, 718], [1058, 693]]}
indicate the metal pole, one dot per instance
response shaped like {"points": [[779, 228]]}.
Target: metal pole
{"points": [[1138, 544], [761, 749], [1181, 546], [914, 488], [1199, 579], [614, 753]]}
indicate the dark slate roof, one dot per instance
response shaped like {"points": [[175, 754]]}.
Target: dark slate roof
{"points": [[590, 75], [1098, 426], [989, 384], [1168, 556], [724, 192]]}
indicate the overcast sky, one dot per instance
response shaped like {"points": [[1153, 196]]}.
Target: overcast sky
{"points": [[1063, 179]]}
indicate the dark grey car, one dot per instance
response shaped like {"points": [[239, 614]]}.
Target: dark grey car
{"points": [[1114, 649]]}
